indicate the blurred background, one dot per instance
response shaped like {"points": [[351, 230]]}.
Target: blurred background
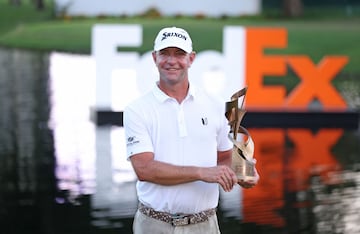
{"points": [[62, 161]]}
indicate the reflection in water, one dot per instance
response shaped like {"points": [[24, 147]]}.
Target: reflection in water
{"points": [[336, 203], [74, 134], [310, 179], [27, 182]]}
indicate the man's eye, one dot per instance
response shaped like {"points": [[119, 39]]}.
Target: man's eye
{"points": [[180, 53]]}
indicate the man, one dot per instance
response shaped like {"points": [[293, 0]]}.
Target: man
{"points": [[177, 142]]}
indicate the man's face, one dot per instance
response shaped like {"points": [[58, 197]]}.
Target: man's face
{"points": [[173, 64]]}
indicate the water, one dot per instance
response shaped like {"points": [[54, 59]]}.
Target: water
{"points": [[60, 173]]}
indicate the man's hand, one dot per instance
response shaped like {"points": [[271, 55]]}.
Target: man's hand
{"points": [[222, 175]]}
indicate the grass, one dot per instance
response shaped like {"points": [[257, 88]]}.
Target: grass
{"points": [[316, 35]]}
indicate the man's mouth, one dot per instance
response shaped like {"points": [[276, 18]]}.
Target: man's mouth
{"points": [[171, 69]]}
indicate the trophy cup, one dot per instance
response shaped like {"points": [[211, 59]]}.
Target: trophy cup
{"points": [[243, 162]]}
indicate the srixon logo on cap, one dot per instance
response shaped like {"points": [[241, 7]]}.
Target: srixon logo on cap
{"points": [[173, 34]]}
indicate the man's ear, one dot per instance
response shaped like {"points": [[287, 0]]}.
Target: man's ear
{"points": [[154, 56], [192, 57]]}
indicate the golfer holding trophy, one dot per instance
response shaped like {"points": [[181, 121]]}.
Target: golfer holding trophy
{"points": [[177, 141]]}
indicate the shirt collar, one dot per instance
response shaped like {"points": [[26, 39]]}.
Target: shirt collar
{"points": [[162, 97]]}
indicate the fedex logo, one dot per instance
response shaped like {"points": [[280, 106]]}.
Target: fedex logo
{"points": [[122, 76]]}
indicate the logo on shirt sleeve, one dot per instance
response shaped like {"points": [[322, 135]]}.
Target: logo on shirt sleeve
{"points": [[132, 140], [204, 121]]}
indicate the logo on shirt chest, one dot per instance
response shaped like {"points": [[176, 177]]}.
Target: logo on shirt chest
{"points": [[204, 121]]}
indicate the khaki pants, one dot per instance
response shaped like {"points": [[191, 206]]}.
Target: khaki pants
{"points": [[146, 225]]}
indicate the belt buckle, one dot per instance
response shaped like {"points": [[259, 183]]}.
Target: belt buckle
{"points": [[180, 220]]}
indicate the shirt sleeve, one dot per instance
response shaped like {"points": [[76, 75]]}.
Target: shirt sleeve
{"points": [[223, 140], [136, 133]]}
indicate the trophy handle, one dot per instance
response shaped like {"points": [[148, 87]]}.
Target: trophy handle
{"points": [[234, 113]]}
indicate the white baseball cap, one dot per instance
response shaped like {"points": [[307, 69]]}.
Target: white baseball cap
{"points": [[173, 37]]}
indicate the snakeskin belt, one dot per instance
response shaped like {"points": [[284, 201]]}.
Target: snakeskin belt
{"points": [[177, 219]]}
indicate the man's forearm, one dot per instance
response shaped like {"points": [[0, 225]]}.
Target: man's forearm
{"points": [[165, 173], [225, 158]]}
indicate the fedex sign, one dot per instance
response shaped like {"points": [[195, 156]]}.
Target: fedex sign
{"points": [[122, 76]]}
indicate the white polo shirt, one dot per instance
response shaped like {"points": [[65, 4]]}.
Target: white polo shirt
{"points": [[186, 134]]}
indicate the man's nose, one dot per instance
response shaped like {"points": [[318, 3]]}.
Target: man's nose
{"points": [[171, 58]]}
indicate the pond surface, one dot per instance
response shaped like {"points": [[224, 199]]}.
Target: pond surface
{"points": [[60, 173]]}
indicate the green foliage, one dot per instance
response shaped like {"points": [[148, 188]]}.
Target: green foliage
{"points": [[13, 16]]}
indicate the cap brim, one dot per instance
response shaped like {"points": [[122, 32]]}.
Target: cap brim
{"points": [[172, 44]]}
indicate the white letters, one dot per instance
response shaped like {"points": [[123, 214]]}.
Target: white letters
{"points": [[122, 76]]}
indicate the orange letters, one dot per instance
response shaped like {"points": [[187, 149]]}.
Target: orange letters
{"points": [[315, 81], [257, 66]]}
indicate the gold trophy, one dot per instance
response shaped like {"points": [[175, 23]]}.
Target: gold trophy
{"points": [[243, 162]]}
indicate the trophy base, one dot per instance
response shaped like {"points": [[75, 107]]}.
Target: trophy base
{"points": [[244, 169]]}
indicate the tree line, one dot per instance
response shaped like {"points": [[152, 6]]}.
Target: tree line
{"points": [[290, 8], [39, 4]]}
